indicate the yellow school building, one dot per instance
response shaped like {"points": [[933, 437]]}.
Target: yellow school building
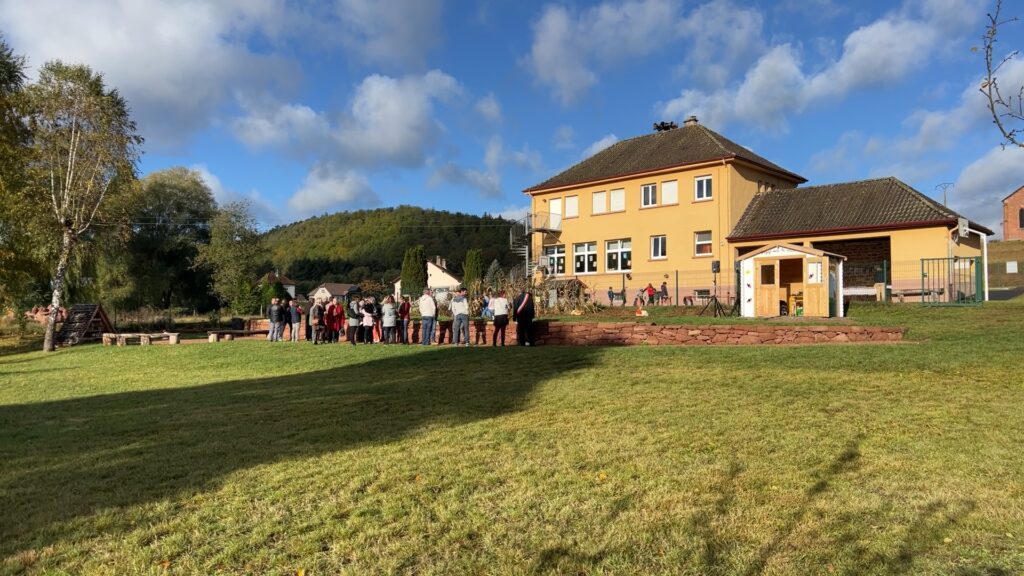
{"points": [[680, 207]]}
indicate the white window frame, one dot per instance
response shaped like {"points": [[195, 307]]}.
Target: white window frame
{"points": [[572, 206], [648, 191], [620, 194], [599, 202], [669, 192], [556, 252], [659, 247], [585, 249], [703, 193], [697, 243], [619, 248]]}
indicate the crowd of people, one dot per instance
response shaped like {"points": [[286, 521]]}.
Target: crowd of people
{"points": [[364, 320]]}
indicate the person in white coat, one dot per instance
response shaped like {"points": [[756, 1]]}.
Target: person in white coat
{"points": [[428, 315]]}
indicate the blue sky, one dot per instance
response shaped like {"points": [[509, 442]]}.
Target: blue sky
{"points": [[306, 108]]}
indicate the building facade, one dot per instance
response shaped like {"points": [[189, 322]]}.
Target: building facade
{"points": [[649, 210], [1013, 215]]}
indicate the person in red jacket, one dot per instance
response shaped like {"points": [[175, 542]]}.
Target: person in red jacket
{"points": [[333, 319], [403, 320]]}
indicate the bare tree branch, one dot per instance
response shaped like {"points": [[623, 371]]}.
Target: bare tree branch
{"points": [[1008, 111]]}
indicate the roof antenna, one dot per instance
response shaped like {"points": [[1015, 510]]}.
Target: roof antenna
{"points": [[945, 186], [664, 126]]}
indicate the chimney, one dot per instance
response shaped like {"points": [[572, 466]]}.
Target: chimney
{"points": [[690, 121]]}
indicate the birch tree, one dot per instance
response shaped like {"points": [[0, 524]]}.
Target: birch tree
{"points": [[84, 151]]}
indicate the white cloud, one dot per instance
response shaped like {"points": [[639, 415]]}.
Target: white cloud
{"points": [[564, 138], [390, 122], [568, 47], [262, 210], [175, 62], [724, 37], [329, 187], [981, 186], [487, 181], [398, 32], [600, 145], [514, 212], [489, 108], [882, 52], [268, 123]]}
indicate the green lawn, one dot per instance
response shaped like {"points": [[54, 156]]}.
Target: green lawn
{"points": [[258, 458]]}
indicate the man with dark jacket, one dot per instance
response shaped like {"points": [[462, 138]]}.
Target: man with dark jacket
{"points": [[295, 316], [522, 315], [276, 316]]}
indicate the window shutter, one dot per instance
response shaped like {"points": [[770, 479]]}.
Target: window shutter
{"points": [[670, 192]]}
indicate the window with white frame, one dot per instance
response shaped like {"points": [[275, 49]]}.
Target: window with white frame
{"points": [[555, 259], [584, 258], [618, 255], [702, 243], [572, 206], [648, 195], [670, 192], [617, 200], [599, 203], [702, 188], [659, 248]]}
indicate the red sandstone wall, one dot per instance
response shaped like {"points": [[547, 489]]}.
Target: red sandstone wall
{"points": [[1011, 216]]}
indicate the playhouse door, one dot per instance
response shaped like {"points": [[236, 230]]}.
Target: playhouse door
{"points": [[766, 288], [816, 288]]}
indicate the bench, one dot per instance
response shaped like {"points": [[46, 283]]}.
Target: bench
{"points": [[229, 335], [145, 339], [935, 293]]}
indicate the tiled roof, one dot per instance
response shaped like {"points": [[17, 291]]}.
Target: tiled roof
{"points": [[689, 144], [337, 289], [866, 204]]}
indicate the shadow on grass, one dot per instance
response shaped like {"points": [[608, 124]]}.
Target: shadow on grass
{"points": [[69, 459], [924, 533]]}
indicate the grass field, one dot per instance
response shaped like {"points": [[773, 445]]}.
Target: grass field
{"points": [[258, 458]]}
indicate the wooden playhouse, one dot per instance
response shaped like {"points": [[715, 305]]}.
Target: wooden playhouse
{"points": [[789, 280]]}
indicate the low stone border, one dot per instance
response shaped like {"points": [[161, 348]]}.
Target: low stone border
{"points": [[557, 333], [625, 334]]}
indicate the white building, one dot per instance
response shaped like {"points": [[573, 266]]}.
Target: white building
{"points": [[439, 279]]}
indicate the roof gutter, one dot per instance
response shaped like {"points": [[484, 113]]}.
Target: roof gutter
{"points": [[846, 230]]}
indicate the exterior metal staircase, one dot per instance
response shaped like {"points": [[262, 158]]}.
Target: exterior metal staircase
{"points": [[521, 236]]}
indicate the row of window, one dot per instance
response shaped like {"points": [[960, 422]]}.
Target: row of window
{"points": [[618, 253], [603, 202]]}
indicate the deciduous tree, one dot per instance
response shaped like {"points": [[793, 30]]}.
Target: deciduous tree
{"points": [[84, 150], [234, 256]]}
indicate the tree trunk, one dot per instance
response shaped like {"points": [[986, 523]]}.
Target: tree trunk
{"points": [[58, 288]]}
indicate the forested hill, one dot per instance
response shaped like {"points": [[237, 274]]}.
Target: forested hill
{"points": [[370, 244]]}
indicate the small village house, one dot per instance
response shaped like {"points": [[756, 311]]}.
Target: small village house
{"points": [[327, 290], [273, 278], [439, 279]]}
